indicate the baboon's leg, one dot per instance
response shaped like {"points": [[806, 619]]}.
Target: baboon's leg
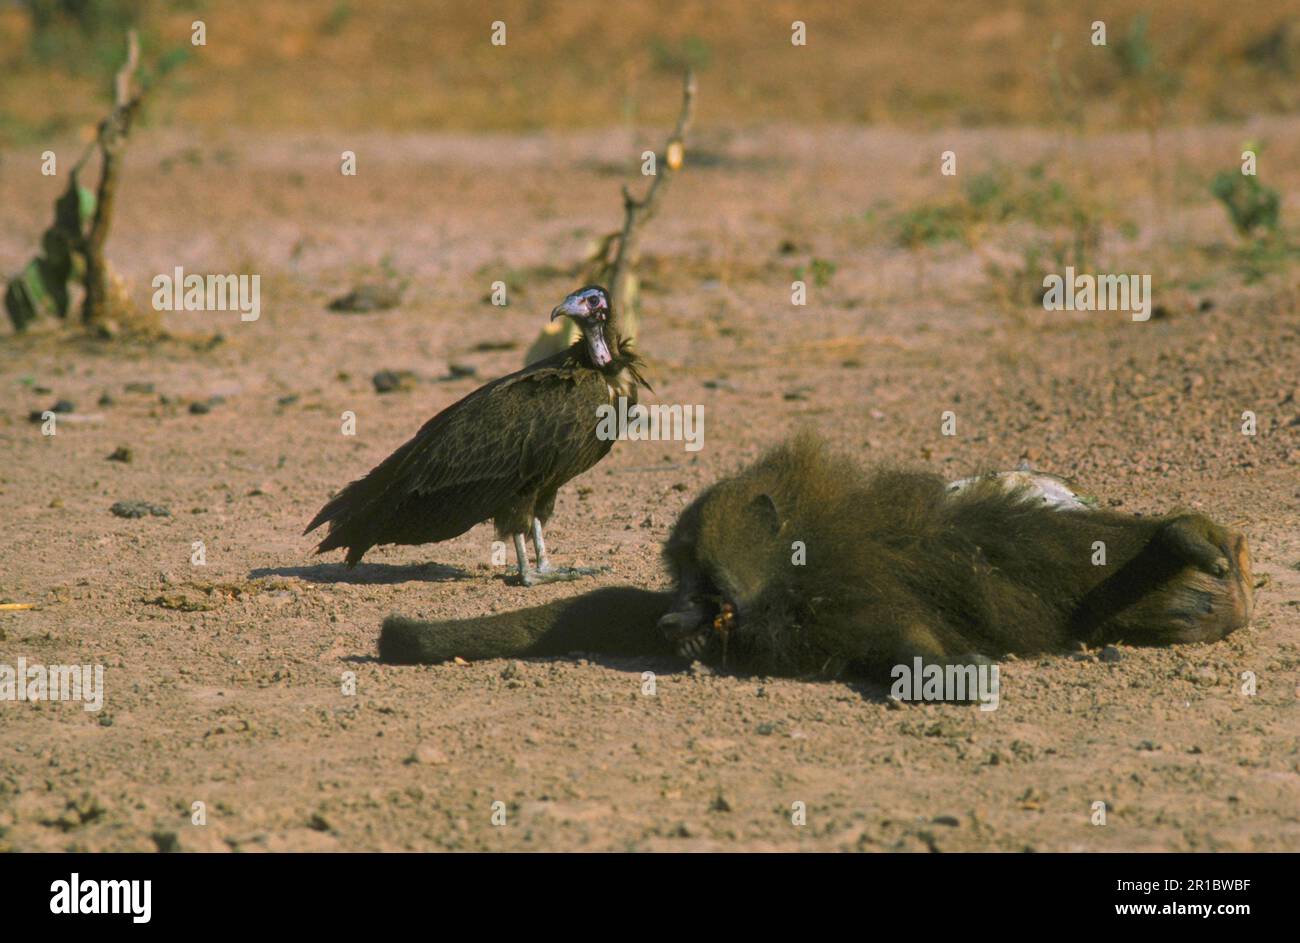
{"points": [[1201, 542], [920, 645], [883, 637], [1192, 583], [1216, 594], [921, 641]]}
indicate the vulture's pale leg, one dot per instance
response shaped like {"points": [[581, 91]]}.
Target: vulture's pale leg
{"points": [[539, 546], [521, 557], [545, 573]]}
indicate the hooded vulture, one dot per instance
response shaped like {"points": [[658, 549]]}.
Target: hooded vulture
{"points": [[501, 453]]}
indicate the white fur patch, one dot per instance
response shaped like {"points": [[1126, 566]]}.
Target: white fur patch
{"points": [[1050, 490]]}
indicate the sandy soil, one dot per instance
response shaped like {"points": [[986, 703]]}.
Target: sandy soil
{"points": [[225, 681]]}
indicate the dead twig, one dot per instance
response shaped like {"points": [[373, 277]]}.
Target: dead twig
{"points": [[113, 131], [621, 271], [614, 261]]}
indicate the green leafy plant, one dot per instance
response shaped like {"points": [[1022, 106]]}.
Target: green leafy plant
{"points": [[998, 195], [41, 288], [1251, 206], [822, 271]]}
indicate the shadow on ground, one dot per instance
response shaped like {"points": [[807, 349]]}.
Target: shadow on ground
{"points": [[368, 573]]}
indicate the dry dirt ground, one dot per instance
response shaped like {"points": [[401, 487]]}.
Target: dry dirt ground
{"points": [[225, 682]]}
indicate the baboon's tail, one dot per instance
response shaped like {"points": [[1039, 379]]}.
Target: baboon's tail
{"points": [[616, 621]]}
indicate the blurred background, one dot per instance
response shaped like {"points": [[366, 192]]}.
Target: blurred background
{"points": [[408, 66]]}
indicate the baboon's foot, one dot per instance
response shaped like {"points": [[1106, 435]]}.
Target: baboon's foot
{"points": [[1214, 595], [1201, 542], [560, 574]]}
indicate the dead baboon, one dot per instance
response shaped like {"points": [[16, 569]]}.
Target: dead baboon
{"points": [[804, 563]]}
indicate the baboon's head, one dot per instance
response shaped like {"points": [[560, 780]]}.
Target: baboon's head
{"points": [[725, 554]]}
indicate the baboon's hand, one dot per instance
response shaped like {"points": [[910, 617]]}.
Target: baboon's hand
{"points": [[684, 621], [1201, 542]]}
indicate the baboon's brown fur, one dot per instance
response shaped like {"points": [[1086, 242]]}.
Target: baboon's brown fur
{"points": [[804, 563]]}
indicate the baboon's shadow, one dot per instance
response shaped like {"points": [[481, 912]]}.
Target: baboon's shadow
{"points": [[372, 574]]}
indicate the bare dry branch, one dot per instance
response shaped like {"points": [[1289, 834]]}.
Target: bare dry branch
{"points": [[122, 81], [636, 213], [113, 131], [614, 259]]}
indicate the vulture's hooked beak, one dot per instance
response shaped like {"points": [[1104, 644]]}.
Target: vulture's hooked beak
{"points": [[589, 307], [574, 306]]}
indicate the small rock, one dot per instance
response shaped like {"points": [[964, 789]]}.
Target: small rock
{"points": [[132, 509], [388, 381], [1111, 654], [120, 454], [427, 754], [369, 297]]}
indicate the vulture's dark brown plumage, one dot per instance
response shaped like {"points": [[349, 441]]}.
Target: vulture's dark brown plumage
{"points": [[501, 453]]}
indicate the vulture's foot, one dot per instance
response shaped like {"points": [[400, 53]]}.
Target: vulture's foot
{"points": [[559, 574], [544, 572]]}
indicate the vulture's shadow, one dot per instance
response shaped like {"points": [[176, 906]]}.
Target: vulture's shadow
{"points": [[368, 573]]}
